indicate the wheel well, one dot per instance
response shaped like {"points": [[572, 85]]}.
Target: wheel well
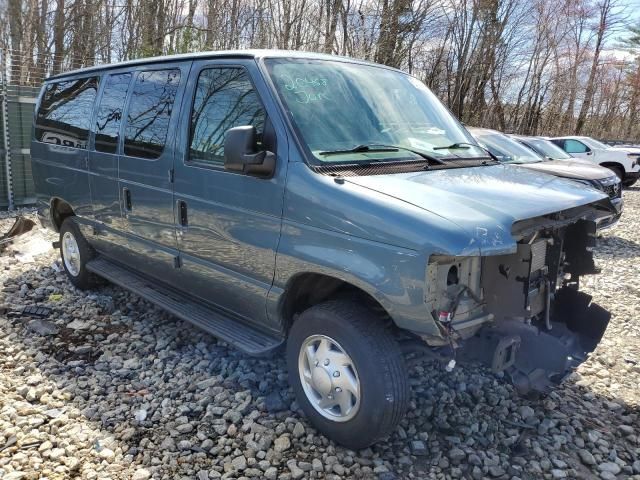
{"points": [[613, 165], [59, 211], [308, 289]]}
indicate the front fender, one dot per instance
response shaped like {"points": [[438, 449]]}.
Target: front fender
{"points": [[620, 158], [394, 276]]}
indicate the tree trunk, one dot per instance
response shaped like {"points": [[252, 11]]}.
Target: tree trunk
{"points": [[605, 12], [58, 37]]}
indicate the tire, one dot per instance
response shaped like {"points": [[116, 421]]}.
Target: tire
{"points": [[629, 183], [75, 252], [377, 365]]}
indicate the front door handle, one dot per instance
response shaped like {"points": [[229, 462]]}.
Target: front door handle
{"points": [[183, 216], [126, 195]]}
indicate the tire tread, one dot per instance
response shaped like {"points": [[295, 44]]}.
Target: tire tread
{"points": [[389, 358]]}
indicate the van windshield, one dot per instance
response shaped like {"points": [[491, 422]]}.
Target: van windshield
{"points": [[338, 106]]}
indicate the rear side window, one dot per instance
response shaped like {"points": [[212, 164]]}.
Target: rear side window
{"points": [[149, 112], [64, 116], [574, 146], [225, 98], [110, 112]]}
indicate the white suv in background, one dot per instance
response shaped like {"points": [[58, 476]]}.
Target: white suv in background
{"points": [[624, 162]]}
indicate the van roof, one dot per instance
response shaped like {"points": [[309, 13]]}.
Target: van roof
{"points": [[214, 54]]}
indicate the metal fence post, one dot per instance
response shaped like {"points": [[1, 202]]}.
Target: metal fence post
{"points": [[5, 126]]}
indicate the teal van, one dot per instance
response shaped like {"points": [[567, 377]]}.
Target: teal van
{"points": [[328, 206]]}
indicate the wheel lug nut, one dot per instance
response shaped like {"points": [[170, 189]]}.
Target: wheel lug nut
{"points": [[326, 362], [336, 374], [330, 397], [338, 390]]}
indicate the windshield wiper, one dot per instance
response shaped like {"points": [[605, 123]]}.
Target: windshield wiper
{"points": [[458, 145], [466, 146], [381, 147], [361, 149]]}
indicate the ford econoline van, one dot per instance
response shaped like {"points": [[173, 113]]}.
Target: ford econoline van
{"points": [[326, 205]]}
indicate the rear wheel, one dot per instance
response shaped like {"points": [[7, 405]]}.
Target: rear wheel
{"points": [[75, 252], [347, 372]]}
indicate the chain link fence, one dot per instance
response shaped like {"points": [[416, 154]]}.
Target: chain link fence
{"points": [[20, 81]]}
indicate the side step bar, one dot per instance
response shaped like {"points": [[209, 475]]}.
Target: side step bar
{"points": [[235, 332]]}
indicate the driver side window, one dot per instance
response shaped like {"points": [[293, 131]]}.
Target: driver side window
{"points": [[574, 146], [225, 98]]}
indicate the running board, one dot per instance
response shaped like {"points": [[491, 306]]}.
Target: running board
{"points": [[235, 332]]}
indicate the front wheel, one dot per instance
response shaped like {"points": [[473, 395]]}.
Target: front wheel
{"points": [[630, 183], [347, 372]]}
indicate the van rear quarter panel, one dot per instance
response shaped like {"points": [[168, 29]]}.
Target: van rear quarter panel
{"points": [[60, 173]]}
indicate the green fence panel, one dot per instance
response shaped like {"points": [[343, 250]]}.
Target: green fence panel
{"points": [[4, 202], [20, 103], [23, 190]]}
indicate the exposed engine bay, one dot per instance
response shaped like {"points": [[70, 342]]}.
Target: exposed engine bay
{"points": [[520, 313]]}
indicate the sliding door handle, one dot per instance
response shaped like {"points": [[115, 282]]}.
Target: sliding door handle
{"points": [[126, 195], [183, 216]]}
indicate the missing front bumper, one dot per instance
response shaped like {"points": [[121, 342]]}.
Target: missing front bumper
{"points": [[534, 358]]}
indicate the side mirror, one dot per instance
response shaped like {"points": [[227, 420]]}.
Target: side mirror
{"points": [[240, 153]]}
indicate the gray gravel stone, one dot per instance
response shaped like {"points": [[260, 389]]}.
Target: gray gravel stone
{"points": [[282, 444], [298, 430], [526, 412], [239, 463], [610, 467], [586, 457], [43, 327], [457, 455], [496, 471], [141, 474], [296, 472], [418, 448], [271, 473]]}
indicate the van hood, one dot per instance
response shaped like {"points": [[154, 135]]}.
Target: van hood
{"points": [[578, 169], [484, 201]]}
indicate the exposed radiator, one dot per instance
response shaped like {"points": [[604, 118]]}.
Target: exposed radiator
{"points": [[538, 255]]}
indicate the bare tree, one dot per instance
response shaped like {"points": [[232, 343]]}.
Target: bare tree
{"points": [[532, 66]]}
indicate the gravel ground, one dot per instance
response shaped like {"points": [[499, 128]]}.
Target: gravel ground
{"points": [[109, 386]]}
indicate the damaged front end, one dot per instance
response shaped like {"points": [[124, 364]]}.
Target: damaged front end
{"points": [[521, 313]]}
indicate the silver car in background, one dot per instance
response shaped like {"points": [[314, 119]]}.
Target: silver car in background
{"points": [[515, 150]]}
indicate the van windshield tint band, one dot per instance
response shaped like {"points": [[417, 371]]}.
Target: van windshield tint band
{"points": [[149, 112]]}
